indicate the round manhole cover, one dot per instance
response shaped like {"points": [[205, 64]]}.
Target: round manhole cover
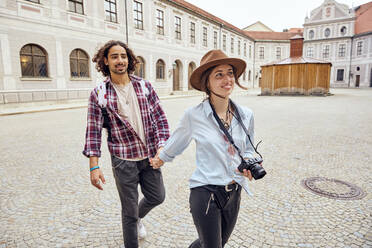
{"points": [[333, 188]]}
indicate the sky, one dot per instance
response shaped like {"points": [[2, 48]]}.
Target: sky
{"points": [[276, 14]]}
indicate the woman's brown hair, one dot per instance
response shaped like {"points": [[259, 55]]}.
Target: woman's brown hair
{"points": [[103, 53]]}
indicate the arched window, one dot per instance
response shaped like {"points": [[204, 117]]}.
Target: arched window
{"points": [[249, 75], [191, 68], [160, 69], [79, 64], [244, 75], [140, 67], [34, 61]]}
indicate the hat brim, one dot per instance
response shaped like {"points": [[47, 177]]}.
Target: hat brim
{"points": [[195, 77]]}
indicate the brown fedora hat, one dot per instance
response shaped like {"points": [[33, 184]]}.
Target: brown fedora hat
{"points": [[215, 58]]}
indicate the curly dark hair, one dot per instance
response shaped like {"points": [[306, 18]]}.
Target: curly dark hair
{"points": [[103, 53]]}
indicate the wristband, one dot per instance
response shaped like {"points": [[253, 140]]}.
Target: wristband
{"points": [[93, 168]]}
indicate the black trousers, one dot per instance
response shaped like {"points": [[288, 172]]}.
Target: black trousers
{"points": [[128, 174], [213, 222]]}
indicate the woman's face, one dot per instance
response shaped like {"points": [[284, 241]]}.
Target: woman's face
{"points": [[221, 80]]}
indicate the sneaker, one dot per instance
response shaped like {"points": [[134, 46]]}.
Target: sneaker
{"points": [[141, 230]]}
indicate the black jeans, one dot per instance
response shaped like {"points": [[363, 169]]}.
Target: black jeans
{"points": [[128, 174], [213, 222]]}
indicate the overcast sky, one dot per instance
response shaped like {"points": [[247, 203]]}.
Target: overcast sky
{"points": [[276, 14]]}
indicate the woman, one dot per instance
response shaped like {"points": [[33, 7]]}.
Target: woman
{"points": [[216, 183]]}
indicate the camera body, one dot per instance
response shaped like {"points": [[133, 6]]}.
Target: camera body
{"points": [[253, 165]]}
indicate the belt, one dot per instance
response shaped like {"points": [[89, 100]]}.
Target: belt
{"points": [[228, 187]]}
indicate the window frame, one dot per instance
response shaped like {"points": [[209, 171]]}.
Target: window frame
{"points": [[359, 49], [224, 42], [138, 15], [261, 52], [310, 52], [192, 32], [215, 43], [160, 69], [232, 45], [326, 53], [159, 22], [78, 59], [177, 28], [278, 53], [340, 77], [33, 63], [205, 36], [111, 2], [342, 50], [76, 2]]}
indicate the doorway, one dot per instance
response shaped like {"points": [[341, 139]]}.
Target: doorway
{"points": [[357, 80]]}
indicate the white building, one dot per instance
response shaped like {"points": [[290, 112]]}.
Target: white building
{"points": [[47, 46], [343, 36]]}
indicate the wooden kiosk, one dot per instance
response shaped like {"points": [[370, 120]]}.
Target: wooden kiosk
{"points": [[296, 75]]}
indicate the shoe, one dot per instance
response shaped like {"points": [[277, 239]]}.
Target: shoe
{"points": [[141, 230]]}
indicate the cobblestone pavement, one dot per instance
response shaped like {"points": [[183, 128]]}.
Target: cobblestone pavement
{"points": [[46, 199]]}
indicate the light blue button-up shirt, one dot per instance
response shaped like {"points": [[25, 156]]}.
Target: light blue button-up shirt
{"points": [[214, 164]]}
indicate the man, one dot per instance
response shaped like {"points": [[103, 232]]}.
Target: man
{"points": [[137, 130]]}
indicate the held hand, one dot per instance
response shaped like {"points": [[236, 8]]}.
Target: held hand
{"points": [[156, 162], [95, 177], [246, 173]]}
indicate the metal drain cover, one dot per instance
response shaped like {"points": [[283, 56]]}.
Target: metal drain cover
{"points": [[333, 188]]}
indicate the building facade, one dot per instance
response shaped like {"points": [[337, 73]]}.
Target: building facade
{"points": [[343, 36], [47, 45]]}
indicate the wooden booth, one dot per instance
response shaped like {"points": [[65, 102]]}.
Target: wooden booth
{"points": [[296, 75]]}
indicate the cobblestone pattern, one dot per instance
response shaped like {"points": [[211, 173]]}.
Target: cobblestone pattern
{"points": [[46, 199]]}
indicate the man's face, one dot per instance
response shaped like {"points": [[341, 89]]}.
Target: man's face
{"points": [[117, 60]]}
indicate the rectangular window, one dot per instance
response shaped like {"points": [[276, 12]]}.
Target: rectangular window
{"points": [[326, 51], [76, 6], [138, 15], [250, 51], [340, 75], [224, 42], [261, 53], [232, 45], [310, 52], [177, 27], [278, 53], [342, 50], [238, 47], [159, 22], [205, 36], [245, 49], [215, 39], [110, 11], [192, 32], [359, 48]]}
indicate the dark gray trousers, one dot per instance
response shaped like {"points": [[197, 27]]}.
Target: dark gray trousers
{"points": [[213, 223], [128, 174]]}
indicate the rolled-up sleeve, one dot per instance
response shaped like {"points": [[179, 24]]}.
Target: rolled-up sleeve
{"points": [[94, 128], [179, 140]]}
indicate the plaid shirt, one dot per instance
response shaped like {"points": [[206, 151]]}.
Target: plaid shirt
{"points": [[125, 142]]}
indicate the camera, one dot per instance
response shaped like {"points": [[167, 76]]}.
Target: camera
{"points": [[253, 165]]}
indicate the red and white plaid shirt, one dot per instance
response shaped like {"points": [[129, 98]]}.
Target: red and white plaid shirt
{"points": [[125, 142]]}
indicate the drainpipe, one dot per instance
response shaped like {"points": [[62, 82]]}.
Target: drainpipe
{"points": [[351, 55], [126, 22]]}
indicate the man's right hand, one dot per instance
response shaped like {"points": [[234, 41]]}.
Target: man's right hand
{"points": [[95, 177]]}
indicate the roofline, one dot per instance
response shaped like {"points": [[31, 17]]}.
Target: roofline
{"points": [[362, 34], [220, 24]]}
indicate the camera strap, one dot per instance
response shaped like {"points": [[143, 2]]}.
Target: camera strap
{"points": [[229, 137]]}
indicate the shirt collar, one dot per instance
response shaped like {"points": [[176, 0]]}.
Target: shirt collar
{"points": [[208, 109]]}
